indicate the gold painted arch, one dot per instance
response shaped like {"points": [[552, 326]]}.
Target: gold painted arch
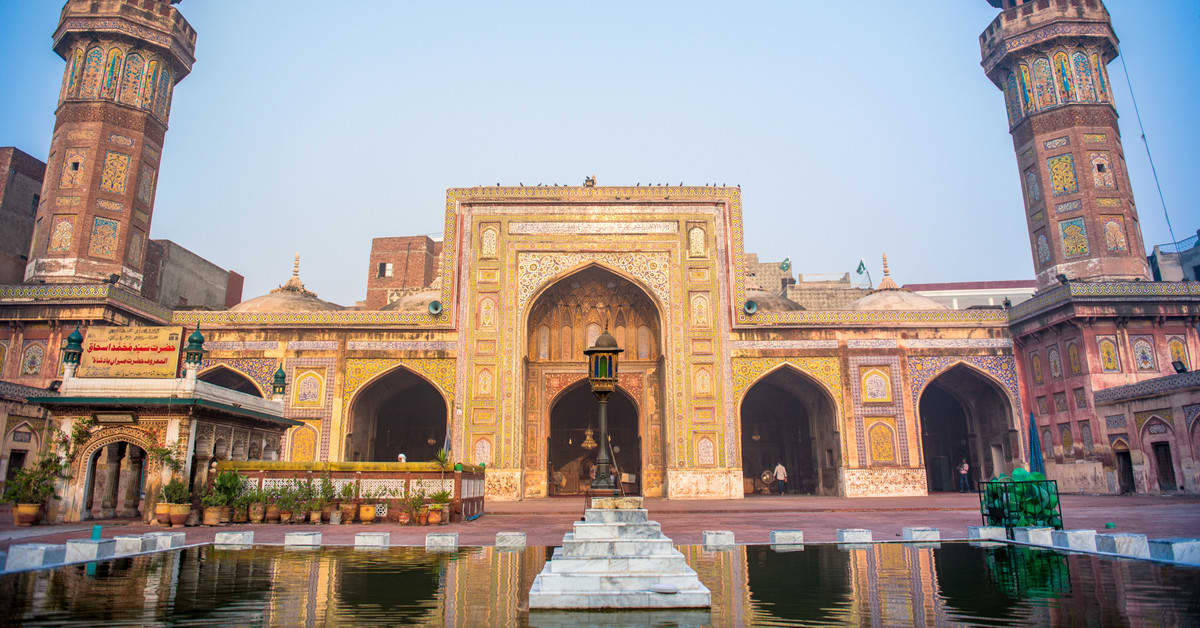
{"points": [[1014, 403], [230, 367]]}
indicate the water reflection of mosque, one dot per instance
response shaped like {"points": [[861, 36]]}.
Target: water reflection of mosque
{"points": [[882, 584]]}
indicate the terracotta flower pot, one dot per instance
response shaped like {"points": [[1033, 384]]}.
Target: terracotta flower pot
{"points": [[404, 518], [26, 514], [348, 510], [327, 510], [226, 514], [423, 517], [162, 512], [272, 513], [285, 516], [212, 515], [257, 512], [435, 516], [315, 517], [240, 514], [366, 512], [179, 514]]}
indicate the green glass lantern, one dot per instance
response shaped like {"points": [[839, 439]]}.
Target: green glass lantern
{"points": [[602, 363]]}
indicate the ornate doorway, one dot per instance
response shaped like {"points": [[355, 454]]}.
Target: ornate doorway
{"points": [[574, 441], [965, 416], [564, 320], [400, 412]]}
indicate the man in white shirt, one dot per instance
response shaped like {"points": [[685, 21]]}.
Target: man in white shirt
{"points": [[780, 477]]}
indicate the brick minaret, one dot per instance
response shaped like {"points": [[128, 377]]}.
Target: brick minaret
{"points": [[124, 58], [1049, 57]]}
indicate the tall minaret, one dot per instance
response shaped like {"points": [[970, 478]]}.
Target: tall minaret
{"points": [[124, 58], [1049, 57]]}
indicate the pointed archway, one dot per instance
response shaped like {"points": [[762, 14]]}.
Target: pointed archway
{"points": [[563, 320], [225, 377], [787, 417], [399, 412], [574, 440], [965, 415]]}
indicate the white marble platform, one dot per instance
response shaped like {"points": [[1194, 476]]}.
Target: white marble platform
{"points": [[510, 540], [1124, 543], [245, 537], [134, 544], [1034, 536], [89, 549], [372, 539], [302, 539], [1083, 540], [617, 559], [1181, 550], [986, 533], [920, 534], [167, 540], [34, 555]]}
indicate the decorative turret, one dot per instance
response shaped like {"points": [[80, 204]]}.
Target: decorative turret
{"points": [[193, 353], [279, 384], [124, 58], [72, 353], [1050, 59]]}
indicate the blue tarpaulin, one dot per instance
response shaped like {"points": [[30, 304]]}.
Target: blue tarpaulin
{"points": [[1036, 464]]}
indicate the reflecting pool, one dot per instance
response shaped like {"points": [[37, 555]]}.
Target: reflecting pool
{"points": [[885, 584]]}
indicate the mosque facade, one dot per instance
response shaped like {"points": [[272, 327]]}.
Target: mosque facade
{"points": [[474, 343]]}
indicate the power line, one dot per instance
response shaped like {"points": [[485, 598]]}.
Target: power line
{"points": [[1145, 141]]}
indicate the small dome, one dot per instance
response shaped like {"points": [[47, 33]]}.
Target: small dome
{"points": [[606, 341], [772, 301], [896, 299], [290, 297], [891, 296], [75, 338]]}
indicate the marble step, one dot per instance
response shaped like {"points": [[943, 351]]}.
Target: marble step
{"points": [[618, 549], [645, 530], [587, 583], [673, 564], [633, 515], [619, 599]]}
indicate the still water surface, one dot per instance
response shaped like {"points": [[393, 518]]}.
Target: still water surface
{"points": [[888, 584]]}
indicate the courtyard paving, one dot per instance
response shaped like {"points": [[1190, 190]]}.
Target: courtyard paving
{"points": [[546, 520]]}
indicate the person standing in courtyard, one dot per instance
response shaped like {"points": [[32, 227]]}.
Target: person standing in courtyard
{"points": [[781, 477], [964, 484]]}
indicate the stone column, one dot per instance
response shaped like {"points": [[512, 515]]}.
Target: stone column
{"points": [[130, 484], [106, 482], [200, 473]]}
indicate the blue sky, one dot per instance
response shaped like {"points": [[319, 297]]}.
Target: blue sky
{"points": [[853, 128]]}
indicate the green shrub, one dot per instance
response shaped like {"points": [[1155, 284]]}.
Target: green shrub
{"points": [[175, 493]]}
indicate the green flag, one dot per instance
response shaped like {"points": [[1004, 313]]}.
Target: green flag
{"points": [[862, 267]]}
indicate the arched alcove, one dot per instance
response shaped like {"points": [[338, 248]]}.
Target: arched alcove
{"points": [[965, 415], [787, 417], [398, 412], [226, 377], [573, 421]]}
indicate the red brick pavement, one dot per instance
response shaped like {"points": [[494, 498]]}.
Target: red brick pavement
{"points": [[546, 520]]}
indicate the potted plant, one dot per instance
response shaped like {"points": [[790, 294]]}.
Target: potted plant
{"points": [[178, 500], [347, 505], [166, 457], [439, 511], [328, 497], [413, 505], [257, 505], [315, 507], [366, 510], [305, 491], [286, 499], [31, 486], [241, 506], [229, 485], [271, 503], [213, 501]]}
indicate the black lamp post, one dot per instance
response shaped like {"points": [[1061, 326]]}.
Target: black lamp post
{"points": [[602, 375]]}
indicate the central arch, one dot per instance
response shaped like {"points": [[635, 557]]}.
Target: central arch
{"points": [[562, 321], [226, 377], [399, 412], [573, 422], [788, 417]]}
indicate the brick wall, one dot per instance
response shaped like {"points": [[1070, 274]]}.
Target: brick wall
{"points": [[415, 263], [20, 186]]}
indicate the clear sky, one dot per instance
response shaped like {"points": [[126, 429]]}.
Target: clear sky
{"points": [[854, 128]]}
